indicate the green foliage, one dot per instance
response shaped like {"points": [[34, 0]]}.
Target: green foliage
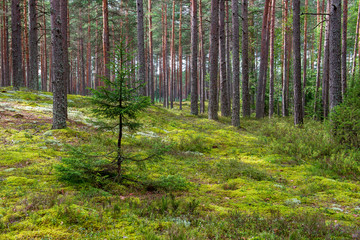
{"points": [[169, 183], [345, 119], [120, 99]]}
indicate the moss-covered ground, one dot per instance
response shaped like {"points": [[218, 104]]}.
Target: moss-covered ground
{"points": [[265, 180]]}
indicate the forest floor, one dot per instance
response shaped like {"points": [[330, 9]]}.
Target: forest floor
{"points": [[265, 180]]}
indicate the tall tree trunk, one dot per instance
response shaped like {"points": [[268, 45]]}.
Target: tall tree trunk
{"points": [[228, 47], [16, 44], [272, 61], [59, 104], [318, 72], [151, 55], [298, 113], [203, 63], [172, 53], [235, 117], [285, 82], [344, 50], [224, 91], [260, 98], [165, 63], [335, 54], [180, 59], [5, 52], [88, 55], [26, 57], [33, 37], [214, 55], [356, 43], [245, 61], [305, 59], [97, 49], [194, 56], [141, 50], [325, 80], [64, 33], [106, 41]]}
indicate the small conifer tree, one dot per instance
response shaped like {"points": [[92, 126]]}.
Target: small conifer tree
{"points": [[120, 99]]}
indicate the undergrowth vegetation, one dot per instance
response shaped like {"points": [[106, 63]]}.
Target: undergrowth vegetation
{"points": [[265, 180]]}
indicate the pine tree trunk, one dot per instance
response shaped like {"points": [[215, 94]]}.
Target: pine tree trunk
{"points": [[172, 53], [26, 58], [224, 92], [228, 47], [151, 55], [344, 50], [335, 54], [260, 97], [106, 41], [285, 86], [88, 55], [141, 50], [214, 55], [59, 103], [33, 37], [235, 117], [180, 59], [16, 45], [64, 33], [325, 80], [356, 43], [203, 61], [298, 113], [194, 56], [305, 59], [272, 61], [5, 51]]}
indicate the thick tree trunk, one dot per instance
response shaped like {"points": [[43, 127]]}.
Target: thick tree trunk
{"points": [[33, 37], [235, 117], [260, 97], [194, 56], [141, 50], [298, 113], [214, 55], [245, 61], [64, 33], [59, 104], [335, 54], [16, 45], [224, 91], [344, 49], [272, 60]]}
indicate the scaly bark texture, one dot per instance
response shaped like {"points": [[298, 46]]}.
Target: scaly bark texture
{"points": [[224, 91], [305, 58], [16, 45], [194, 56], [214, 55], [33, 54], [344, 49], [272, 60], [58, 85], [64, 33], [335, 54], [298, 113], [141, 50], [235, 117], [260, 97]]}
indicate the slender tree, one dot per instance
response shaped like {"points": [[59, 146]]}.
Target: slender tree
{"points": [[298, 113], [272, 60], [180, 59], [344, 49], [325, 79], [194, 56], [305, 58], [235, 117], [106, 41], [141, 50], [59, 103], [33, 45], [16, 45], [335, 54], [151, 53]]}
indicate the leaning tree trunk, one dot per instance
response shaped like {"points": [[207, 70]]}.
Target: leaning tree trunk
{"points": [[141, 50], [33, 38], [16, 45], [194, 56], [58, 85], [214, 55], [298, 113], [335, 94]]}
